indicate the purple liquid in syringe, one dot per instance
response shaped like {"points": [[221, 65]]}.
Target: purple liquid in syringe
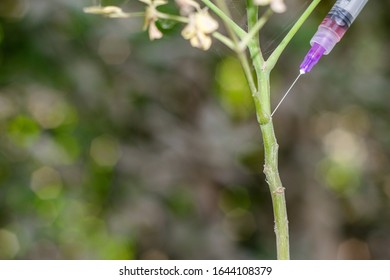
{"points": [[332, 25]]}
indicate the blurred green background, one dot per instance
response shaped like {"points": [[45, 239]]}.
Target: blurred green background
{"points": [[115, 147]]}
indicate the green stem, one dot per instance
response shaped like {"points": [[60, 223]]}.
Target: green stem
{"points": [[254, 30], [271, 171], [257, 59], [271, 146], [261, 96], [278, 51], [226, 18], [241, 55], [225, 40]]}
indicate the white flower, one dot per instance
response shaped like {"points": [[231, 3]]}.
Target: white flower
{"points": [[187, 7], [108, 11], [151, 16], [277, 6], [199, 28], [154, 32]]}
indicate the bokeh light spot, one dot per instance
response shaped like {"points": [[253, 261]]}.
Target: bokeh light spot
{"points": [[344, 147], [23, 130], [46, 183], [234, 92], [47, 107], [341, 178], [114, 49], [353, 249], [9, 244], [105, 150]]}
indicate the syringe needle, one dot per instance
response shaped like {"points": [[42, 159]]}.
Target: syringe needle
{"points": [[288, 91]]}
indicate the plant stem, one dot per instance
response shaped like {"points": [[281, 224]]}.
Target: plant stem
{"points": [[241, 55], [271, 147], [256, 55], [254, 30], [271, 172], [267, 130], [225, 40], [261, 95], [226, 18], [278, 51]]}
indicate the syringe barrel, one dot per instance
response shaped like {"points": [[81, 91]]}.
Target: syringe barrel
{"points": [[346, 10], [337, 22], [331, 30]]}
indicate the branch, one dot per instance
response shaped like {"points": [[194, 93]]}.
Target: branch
{"points": [[225, 40], [254, 30], [228, 21], [278, 51]]}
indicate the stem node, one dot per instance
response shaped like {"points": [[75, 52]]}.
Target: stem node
{"points": [[279, 190]]}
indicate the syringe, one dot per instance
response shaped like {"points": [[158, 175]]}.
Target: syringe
{"points": [[329, 33], [331, 30]]}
